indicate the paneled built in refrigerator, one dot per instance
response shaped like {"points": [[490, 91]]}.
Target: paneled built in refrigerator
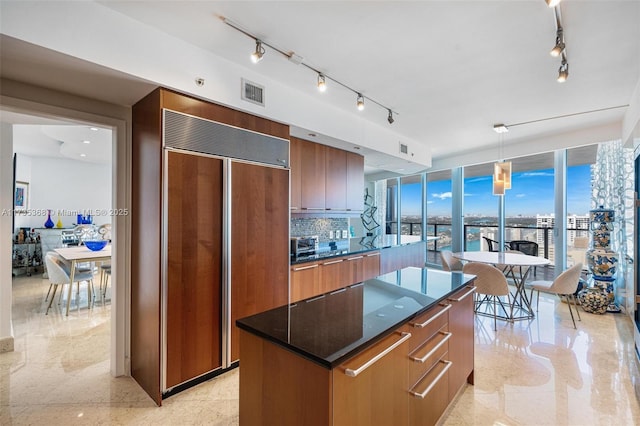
{"points": [[223, 237]]}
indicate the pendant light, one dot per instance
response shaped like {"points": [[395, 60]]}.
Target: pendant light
{"points": [[501, 169]]}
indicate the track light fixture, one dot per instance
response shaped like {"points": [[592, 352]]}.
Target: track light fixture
{"points": [[322, 84], [299, 60], [563, 71], [257, 55], [559, 47]]}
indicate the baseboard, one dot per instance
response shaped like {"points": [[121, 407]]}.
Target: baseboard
{"points": [[6, 344]]}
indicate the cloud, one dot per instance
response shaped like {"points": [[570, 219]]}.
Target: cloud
{"points": [[430, 202], [442, 196], [521, 195], [479, 179]]}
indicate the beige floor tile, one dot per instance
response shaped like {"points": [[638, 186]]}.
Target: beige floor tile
{"points": [[538, 372]]}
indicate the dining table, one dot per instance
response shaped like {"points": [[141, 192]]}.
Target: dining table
{"points": [[515, 266], [79, 254]]}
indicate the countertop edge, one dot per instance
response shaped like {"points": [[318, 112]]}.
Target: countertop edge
{"points": [[332, 364]]}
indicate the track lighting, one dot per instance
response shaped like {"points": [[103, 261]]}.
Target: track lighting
{"points": [[553, 3], [563, 71], [559, 47], [500, 128], [259, 52], [322, 84]]}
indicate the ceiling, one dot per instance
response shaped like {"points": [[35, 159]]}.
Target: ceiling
{"points": [[449, 69]]}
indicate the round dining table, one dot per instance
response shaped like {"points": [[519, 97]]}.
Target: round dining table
{"points": [[515, 266]]}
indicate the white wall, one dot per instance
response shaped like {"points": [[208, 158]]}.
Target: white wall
{"points": [[64, 185], [6, 204]]}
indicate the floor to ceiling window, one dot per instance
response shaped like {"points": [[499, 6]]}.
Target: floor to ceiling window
{"points": [[480, 208], [439, 205], [411, 208]]}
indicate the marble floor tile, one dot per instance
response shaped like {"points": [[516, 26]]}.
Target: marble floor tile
{"points": [[538, 372]]}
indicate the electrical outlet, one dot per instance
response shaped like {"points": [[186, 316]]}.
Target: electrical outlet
{"points": [[345, 233], [337, 234], [331, 235]]}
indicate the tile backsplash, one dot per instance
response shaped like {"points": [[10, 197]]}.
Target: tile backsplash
{"points": [[325, 228]]}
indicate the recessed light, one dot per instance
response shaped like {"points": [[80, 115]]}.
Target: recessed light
{"points": [[313, 135], [95, 129], [357, 148], [86, 141], [83, 155]]}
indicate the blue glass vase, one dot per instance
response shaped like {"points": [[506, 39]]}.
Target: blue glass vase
{"points": [[49, 223]]}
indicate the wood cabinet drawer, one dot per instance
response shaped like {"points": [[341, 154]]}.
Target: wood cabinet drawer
{"points": [[426, 325], [430, 396], [425, 357]]}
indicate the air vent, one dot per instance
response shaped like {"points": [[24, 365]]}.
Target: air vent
{"points": [[252, 92], [404, 149]]}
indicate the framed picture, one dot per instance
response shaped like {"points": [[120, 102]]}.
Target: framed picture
{"points": [[21, 199]]}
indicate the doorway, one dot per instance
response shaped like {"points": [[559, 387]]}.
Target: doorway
{"points": [[116, 337]]}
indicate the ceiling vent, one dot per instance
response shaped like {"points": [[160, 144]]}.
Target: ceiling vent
{"points": [[252, 92], [404, 149]]}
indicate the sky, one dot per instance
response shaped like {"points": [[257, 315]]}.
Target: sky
{"points": [[531, 193]]}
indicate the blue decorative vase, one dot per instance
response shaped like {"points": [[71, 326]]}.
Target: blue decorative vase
{"points": [[49, 223]]}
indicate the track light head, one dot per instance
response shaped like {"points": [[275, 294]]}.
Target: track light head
{"points": [[500, 128], [257, 55], [559, 47], [360, 102], [553, 3], [390, 117], [322, 84], [563, 72]]}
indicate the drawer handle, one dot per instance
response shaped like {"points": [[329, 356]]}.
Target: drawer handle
{"points": [[447, 336], [435, 382], [459, 299], [332, 263], [306, 267], [433, 318], [355, 258], [313, 208], [353, 373], [373, 254]]}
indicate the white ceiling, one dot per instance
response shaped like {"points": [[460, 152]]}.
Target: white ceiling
{"points": [[451, 69]]}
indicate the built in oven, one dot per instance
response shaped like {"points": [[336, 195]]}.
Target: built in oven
{"points": [[301, 246]]}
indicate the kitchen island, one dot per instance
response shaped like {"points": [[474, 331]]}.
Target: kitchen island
{"points": [[391, 350]]}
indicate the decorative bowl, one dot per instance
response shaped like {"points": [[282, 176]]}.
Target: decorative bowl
{"points": [[95, 245]]}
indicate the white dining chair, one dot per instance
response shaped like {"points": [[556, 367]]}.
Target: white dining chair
{"points": [[450, 263], [565, 284], [490, 285], [59, 275]]}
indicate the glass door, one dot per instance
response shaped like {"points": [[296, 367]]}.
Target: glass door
{"points": [[636, 263]]}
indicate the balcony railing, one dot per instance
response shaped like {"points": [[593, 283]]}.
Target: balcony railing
{"points": [[576, 248]]}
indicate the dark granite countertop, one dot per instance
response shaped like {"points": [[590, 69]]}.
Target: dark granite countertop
{"points": [[352, 247], [331, 328]]}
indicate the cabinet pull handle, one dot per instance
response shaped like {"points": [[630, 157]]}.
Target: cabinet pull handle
{"points": [[355, 258], [374, 254], [313, 208], [447, 336], [302, 268], [433, 318], [332, 263], [435, 382], [315, 298], [459, 299], [353, 373]]}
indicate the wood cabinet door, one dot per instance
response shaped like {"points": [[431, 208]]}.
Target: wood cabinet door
{"points": [[335, 179], [259, 242], [461, 323], [312, 178], [194, 266], [305, 281], [333, 275], [373, 393], [295, 165], [355, 182], [355, 265], [371, 265]]}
